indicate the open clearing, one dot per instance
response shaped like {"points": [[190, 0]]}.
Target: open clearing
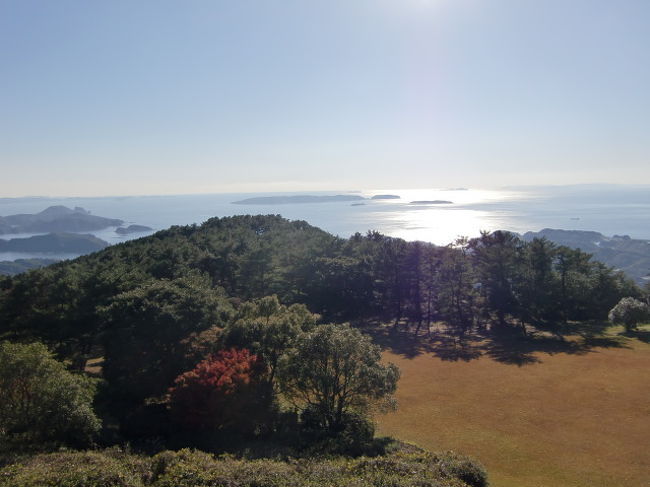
{"points": [[555, 419]]}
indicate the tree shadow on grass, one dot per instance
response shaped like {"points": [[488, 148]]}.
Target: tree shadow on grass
{"points": [[594, 334], [510, 352], [400, 342], [589, 328], [604, 342], [641, 335], [453, 349], [519, 349], [506, 345]]}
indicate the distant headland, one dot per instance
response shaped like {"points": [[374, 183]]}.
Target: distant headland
{"points": [[287, 200], [132, 229], [431, 202], [56, 219], [11, 268], [308, 198], [385, 197], [60, 242]]}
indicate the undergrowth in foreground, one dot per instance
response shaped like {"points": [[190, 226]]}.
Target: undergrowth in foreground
{"points": [[192, 468]]}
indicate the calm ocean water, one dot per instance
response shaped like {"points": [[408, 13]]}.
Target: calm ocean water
{"points": [[609, 209]]}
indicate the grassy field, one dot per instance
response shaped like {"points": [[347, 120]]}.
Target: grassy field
{"points": [[536, 413]]}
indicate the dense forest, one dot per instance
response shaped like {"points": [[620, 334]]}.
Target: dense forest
{"points": [[496, 279], [237, 330]]}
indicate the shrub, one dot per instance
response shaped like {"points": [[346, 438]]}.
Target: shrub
{"points": [[192, 468], [629, 312], [461, 467], [88, 469], [354, 438], [40, 401]]}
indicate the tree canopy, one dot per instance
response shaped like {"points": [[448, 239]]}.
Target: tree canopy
{"points": [[269, 329], [40, 401], [336, 370]]}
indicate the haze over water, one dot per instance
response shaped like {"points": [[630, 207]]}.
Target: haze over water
{"points": [[611, 210]]}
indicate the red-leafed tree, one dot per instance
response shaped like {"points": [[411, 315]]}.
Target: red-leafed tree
{"points": [[218, 393]]}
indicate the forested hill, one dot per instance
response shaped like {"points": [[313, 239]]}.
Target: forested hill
{"points": [[365, 276]]}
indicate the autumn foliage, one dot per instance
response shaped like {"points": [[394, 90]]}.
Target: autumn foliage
{"points": [[219, 392]]}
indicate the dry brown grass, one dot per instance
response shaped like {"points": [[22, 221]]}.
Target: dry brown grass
{"points": [[572, 416]]}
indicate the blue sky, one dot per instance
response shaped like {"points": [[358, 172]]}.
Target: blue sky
{"points": [[153, 97]]}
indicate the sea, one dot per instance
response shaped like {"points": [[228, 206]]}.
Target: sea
{"points": [[607, 209]]}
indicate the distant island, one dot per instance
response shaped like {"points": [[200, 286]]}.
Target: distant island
{"points": [[431, 202], [13, 267], [630, 255], [56, 219], [287, 200], [73, 243], [385, 197], [133, 229]]}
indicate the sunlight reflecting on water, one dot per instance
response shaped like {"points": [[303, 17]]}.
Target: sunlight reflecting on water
{"points": [[442, 223], [611, 210], [440, 226]]}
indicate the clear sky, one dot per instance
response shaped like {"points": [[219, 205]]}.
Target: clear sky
{"points": [[152, 97]]}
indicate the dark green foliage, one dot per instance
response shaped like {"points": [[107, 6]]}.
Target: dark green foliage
{"points": [[355, 436], [456, 288], [40, 401], [59, 304], [391, 282], [537, 283], [268, 329], [339, 287], [494, 256], [148, 331], [335, 371]]}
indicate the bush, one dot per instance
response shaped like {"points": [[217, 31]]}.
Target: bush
{"points": [[464, 468], [40, 401], [192, 468], [354, 438], [89, 469], [629, 312]]}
